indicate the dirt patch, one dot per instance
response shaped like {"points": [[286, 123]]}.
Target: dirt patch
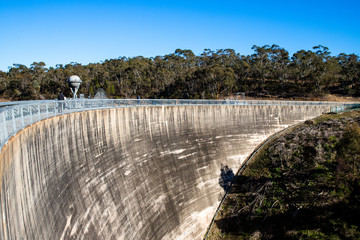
{"points": [[334, 98], [326, 98]]}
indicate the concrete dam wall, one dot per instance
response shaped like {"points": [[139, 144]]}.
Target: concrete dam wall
{"points": [[129, 173]]}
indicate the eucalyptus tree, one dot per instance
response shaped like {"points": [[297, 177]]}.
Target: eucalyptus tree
{"points": [[139, 75], [21, 83], [261, 63], [303, 64], [113, 77], [4, 82], [350, 71], [326, 69], [227, 57], [185, 55], [184, 64], [55, 82], [242, 71], [279, 62], [162, 76], [38, 71], [219, 80], [206, 57], [38, 68]]}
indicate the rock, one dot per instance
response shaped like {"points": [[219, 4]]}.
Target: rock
{"points": [[310, 122]]}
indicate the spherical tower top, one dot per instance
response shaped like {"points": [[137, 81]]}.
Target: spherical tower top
{"points": [[74, 79]]}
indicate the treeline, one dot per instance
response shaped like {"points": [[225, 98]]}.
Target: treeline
{"points": [[269, 71]]}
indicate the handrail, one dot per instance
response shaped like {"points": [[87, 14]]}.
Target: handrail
{"points": [[344, 108], [15, 116]]}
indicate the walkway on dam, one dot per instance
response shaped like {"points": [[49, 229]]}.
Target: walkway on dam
{"points": [[15, 116]]}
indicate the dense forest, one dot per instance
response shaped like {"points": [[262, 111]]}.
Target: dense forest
{"points": [[269, 71]]}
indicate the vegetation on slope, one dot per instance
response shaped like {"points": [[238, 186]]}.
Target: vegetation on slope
{"points": [[305, 184], [269, 72]]}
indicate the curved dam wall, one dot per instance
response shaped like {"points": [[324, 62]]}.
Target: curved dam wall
{"points": [[129, 173]]}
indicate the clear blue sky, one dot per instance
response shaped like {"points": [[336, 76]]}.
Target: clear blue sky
{"points": [[60, 32]]}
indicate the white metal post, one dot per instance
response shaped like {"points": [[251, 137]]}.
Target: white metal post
{"points": [[13, 120], [22, 117], [39, 112], [5, 132], [30, 112]]}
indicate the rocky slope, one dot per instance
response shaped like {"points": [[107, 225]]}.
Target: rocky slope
{"points": [[304, 184]]}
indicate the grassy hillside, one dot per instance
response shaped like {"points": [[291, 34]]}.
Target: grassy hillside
{"points": [[304, 184]]}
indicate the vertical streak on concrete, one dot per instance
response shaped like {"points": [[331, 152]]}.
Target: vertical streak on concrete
{"points": [[129, 173]]}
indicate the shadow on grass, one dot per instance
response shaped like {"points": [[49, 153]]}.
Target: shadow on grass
{"points": [[339, 220]]}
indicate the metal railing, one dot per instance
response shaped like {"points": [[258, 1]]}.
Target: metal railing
{"points": [[15, 116], [344, 108]]}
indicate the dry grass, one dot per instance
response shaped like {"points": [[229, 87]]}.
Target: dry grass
{"points": [[326, 98]]}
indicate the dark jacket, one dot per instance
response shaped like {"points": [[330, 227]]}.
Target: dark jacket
{"points": [[61, 97]]}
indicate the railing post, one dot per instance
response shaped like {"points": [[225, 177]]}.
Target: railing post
{"points": [[39, 112], [5, 132], [22, 117], [30, 113], [13, 120]]}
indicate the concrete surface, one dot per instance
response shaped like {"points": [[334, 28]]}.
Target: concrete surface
{"points": [[129, 173]]}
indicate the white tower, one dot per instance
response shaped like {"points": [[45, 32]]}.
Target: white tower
{"points": [[74, 84]]}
